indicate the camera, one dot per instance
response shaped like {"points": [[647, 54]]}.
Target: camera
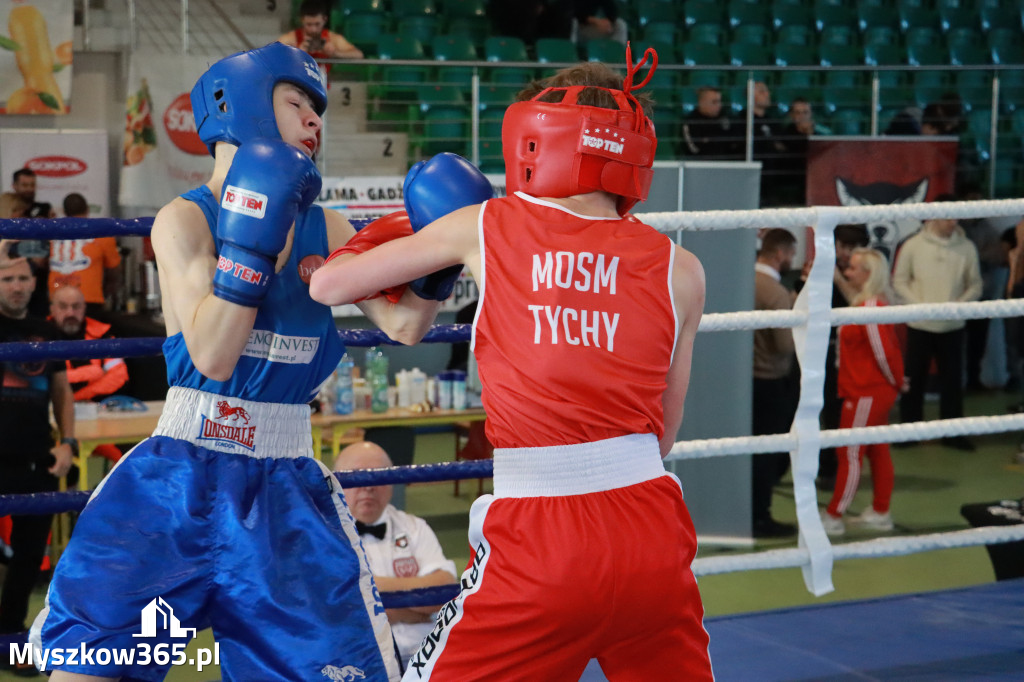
{"points": [[316, 43]]}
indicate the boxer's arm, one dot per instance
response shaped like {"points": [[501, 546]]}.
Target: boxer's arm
{"points": [[406, 321], [342, 48], [688, 293], [450, 240], [215, 330]]}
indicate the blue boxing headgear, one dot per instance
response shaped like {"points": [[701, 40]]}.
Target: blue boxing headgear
{"points": [[234, 100]]}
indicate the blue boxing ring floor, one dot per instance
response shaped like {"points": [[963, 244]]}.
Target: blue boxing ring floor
{"points": [[975, 633]]}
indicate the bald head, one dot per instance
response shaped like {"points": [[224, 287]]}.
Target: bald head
{"points": [[364, 455], [366, 503], [67, 308]]}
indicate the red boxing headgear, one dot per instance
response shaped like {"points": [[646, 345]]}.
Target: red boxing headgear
{"points": [[561, 149]]}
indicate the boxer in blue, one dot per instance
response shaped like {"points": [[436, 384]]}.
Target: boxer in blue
{"points": [[223, 518]]}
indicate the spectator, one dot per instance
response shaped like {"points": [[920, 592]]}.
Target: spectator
{"points": [[799, 126], [91, 265], [12, 205], [315, 38], [774, 397], [529, 20], [709, 134], [870, 379], [30, 461], [938, 264], [90, 379], [402, 550], [36, 250], [769, 148], [597, 20]]}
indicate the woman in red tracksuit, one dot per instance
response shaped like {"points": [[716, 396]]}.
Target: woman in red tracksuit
{"points": [[870, 379]]}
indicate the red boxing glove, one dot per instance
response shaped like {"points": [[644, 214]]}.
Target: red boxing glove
{"points": [[382, 230]]}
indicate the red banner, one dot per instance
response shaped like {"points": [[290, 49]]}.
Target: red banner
{"points": [[859, 171]]}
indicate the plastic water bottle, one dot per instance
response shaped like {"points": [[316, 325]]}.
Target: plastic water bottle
{"points": [[344, 399], [379, 383]]}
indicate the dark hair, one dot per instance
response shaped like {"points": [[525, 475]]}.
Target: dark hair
{"points": [[774, 239], [312, 8], [1009, 237], [75, 205], [852, 235], [23, 172], [594, 74], [708, 88], [903, 123], [799, 100], [934, 116]]}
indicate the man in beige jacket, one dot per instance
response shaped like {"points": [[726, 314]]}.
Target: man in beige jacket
{"points": [[937, 265]]}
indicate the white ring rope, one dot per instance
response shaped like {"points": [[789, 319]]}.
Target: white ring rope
{"points": [[889, 314], [668, 221], [866, 549], [811, 320]]}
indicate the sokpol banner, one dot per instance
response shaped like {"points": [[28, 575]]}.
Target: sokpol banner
{"points": [[64, 161], [162, 155], [35, 56]]}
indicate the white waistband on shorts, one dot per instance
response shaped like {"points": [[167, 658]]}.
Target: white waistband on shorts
{"points": [[577, 469], [244, 427]]}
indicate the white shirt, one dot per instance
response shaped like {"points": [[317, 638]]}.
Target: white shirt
{"points": [[409, 549]]}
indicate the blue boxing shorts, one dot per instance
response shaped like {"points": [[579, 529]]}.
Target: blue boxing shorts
{"points": [[221, 519]]}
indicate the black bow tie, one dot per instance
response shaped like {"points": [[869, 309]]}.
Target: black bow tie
{"points": [[377, 530]]}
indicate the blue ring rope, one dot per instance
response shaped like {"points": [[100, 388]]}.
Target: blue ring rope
{"points": [[80, 228], [152, 345]]}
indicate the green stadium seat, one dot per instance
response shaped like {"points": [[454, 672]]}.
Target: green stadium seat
{"points": [[798, 79], [752, 34], [556, 50], [876, 15], [507, 49], [446, 129], [713, 34], [454, 48], [929, 86], [901, 4], [702, 12], [743, 12], [833, 15], [1003, 37], [999, 16], [796, 34], [704, 54], [350, 7], [838, 34], [883, 54], [734, 99], [917, 17], [1008, 54], [477, 29], [422, 27], [789, 14], [979, 129], [849, 122], [795, 55], [957, 17], [405, 8], [974, 88], [661, 32], [963, 35], [962, 55], [834, 54], [497, 96], [651, 11], [363, 30], [709, 77], [666, 52], [932, 54], [748, 54], [399, 83], [668, 121], [922, 35], [608, 51], [881, 35], [491, 159], [398, 46]]}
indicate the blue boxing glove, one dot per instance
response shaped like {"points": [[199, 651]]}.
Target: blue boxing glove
{"points": [[432, 189], [268, 183]]}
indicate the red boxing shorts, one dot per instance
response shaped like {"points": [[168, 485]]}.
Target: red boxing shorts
{"points": [[583, 552]]}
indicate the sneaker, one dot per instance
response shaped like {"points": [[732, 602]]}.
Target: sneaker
{"points": [[959, 443], [770, 528], [834, 526], [869, 518]]}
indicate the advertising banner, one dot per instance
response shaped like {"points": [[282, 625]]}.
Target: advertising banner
{"points": [[163, 155], [35, 56], [64, 161], [366, 198], [859, 171]]}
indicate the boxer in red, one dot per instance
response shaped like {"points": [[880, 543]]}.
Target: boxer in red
{"points": [[583, 336]]}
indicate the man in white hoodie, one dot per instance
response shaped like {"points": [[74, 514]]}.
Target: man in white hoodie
{"points": [[937, 265]]}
